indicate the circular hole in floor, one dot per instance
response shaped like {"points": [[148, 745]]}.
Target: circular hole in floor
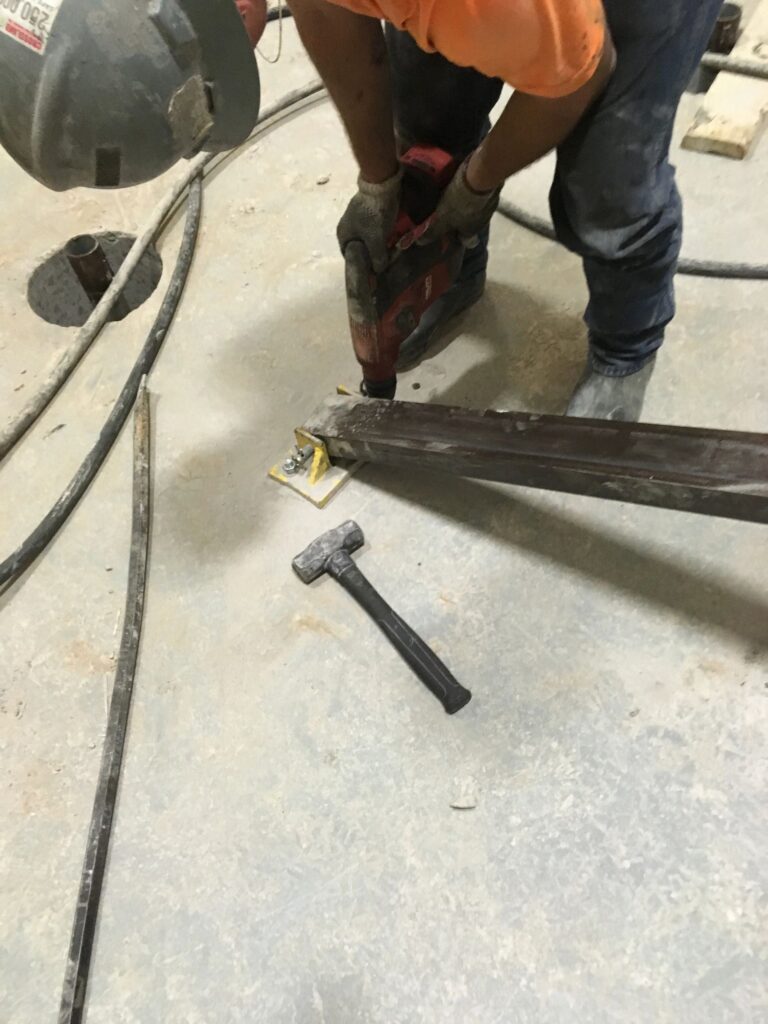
{"points": [[56, 294]]}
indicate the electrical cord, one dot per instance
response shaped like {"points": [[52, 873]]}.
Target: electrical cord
{"points": [[688, 267], [275, 15]]}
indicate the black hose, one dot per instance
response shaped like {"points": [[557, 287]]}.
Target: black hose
{"points": [[81, 945], [38, 540], [689, 267]]}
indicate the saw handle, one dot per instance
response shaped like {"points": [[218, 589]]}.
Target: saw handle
{"points": [[409, 645]]}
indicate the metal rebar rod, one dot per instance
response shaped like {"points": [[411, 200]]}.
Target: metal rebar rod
{"points": [[736, 65], [712, 472]]}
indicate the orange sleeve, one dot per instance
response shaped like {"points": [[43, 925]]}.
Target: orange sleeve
{"points": [[547, 48], [544, 47]]}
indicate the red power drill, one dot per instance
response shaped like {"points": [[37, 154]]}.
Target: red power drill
{"points": [[385, 308]]}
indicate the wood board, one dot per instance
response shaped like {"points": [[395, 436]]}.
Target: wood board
{"points": [[734, 111]]}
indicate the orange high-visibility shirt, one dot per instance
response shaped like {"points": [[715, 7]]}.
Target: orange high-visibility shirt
{"points": [[544, 47]]}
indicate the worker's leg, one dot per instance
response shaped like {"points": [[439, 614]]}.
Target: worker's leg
{"points": [[440, 104], [614, 199]]}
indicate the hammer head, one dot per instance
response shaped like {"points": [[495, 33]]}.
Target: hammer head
{"points": [[311, 563]]}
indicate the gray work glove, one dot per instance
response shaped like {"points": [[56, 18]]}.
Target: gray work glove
{"points": [[462, 210], [370, 218]]}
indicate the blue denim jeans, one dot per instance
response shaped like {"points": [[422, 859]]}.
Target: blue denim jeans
{"points": [[614, 200]]}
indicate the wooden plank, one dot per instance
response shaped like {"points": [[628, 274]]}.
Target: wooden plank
{"points": [[734, 111], [712, 472]]}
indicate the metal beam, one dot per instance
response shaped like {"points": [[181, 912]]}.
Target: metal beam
{"points": [[712, 472]]}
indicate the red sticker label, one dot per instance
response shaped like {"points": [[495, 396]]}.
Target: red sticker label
{"points": [[29, 22]]}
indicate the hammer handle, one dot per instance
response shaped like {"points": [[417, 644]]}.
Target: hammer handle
{"points": [[421, 658]]}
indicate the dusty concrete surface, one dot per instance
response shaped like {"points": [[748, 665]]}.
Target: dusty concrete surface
{"points": [[285, 849]]}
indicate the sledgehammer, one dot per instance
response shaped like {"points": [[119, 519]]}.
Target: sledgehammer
{"points": [[331, 554]]}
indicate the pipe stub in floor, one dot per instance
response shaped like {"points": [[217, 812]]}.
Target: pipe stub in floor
{"points": [[66, 286]]}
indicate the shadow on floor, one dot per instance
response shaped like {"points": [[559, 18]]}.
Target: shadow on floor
{"points": [[532, 353], [596, 555]]}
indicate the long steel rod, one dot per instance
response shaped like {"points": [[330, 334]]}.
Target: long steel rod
{"points": [[712, 472], [736, 65], [94, 865]]}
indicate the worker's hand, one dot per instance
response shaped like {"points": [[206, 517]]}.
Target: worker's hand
{"points": [[370, 218], [463, 210], [254, 15]]}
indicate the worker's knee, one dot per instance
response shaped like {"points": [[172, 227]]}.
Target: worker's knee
{"points": [[614, 194], [635, 225]]}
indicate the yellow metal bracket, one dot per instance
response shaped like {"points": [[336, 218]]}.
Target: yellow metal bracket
{"points": [[320, 461], [308, 469]]}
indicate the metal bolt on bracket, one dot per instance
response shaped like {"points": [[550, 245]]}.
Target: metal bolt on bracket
{"points": [[297, 460]]}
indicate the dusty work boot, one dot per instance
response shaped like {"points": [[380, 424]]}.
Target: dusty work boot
{"points": [[601, 397], [461, 296]]}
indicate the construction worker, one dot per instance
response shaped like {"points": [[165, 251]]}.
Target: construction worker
{"points": [[598, 82]]}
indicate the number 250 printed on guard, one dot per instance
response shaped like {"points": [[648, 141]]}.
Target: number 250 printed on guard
{"points": [[27, 22]]}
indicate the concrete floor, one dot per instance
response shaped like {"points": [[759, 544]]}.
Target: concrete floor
{"points": [[285, 849]]}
